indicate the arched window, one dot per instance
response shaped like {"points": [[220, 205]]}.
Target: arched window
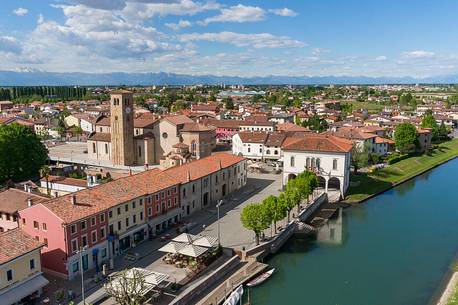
{"points": [[193, 148], [318, 161], [313, 163], [268, 152], [307, 163], [292, 161]]}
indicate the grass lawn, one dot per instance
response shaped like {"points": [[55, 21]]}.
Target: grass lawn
{"points": [[383, 179], [454, 298]]}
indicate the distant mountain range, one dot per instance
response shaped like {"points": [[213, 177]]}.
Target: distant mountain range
{"points": [[30, 77]]}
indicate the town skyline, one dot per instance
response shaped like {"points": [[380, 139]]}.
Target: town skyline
{"points": [[229, 38]]}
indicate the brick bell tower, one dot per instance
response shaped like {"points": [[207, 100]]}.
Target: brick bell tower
{"points": [[122, 128]]}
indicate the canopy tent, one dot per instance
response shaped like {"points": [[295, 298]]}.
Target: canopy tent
{"points": [[152, 279], [193, 251], [206, 241], [172, 247], [186, 238]]}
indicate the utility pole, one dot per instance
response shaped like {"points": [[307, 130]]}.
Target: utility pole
{"points": [[80, 253], [220, 202]]}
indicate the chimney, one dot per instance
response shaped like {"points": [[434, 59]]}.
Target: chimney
{"points": [[189, 176], [29, 202], [73, 199]]}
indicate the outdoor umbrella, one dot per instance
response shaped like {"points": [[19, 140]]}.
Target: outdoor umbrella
{"points": [[193, 251], [172, 247]]}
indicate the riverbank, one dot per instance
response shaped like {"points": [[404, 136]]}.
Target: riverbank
{"points": [[450, 294], [370, 185]]}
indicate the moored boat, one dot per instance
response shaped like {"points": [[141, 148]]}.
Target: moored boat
{"points": [[261, 278]]}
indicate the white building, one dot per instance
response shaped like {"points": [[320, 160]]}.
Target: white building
{"points": [[327, 156]]}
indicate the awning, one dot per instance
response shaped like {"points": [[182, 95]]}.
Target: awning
{"points": [[23, 289]]}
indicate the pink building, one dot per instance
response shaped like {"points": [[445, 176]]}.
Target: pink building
{"points": [[225, 129]]}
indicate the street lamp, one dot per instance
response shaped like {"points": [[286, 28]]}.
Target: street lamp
{"points": [[220, 202], [80, 253]]}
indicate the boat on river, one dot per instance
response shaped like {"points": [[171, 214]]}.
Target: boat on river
{"points": [[260, 279]]}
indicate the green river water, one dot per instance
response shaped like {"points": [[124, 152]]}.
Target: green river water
{"points": [[395, 249]]}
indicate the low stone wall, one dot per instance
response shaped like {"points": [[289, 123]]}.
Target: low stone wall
{"points": [[194, 291], [273, 245]]}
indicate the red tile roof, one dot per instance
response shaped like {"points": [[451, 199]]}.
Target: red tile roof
{"points": [[233, 124], [352, 134], [380, 140], [13, 200], [290, 127], [253, 136], [102, 197], [66, 181], [100, 136], [195, 127], [15, 243], [203, 167], [178, 119], [319, 142]]}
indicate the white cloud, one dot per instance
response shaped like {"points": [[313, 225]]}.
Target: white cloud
{"points": [[380, 58], [417, 54], [21, 11], [9, 44], [181, 24], [40, 19], [258, 41], [238, 13], [319, 51], [284, 12], [116, 4]]}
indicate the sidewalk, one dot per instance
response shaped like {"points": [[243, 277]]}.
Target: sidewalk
{"points": [[233, 235]]}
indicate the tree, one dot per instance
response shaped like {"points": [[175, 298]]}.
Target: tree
{"points": [[310, 181], [21, 153], [229, 103], [276, 210], [255, 217], [406, 138], [44, 173], [316, 123], [77, 131], [127, 287], [287, 203], [429, 121], [359, 157]]}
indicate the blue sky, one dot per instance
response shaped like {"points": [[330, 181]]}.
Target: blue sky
{"points": [[245, 38]]}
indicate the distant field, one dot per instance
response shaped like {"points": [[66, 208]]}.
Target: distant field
{"points": [[383, 179]]}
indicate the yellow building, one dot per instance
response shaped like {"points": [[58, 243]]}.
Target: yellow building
{"points": [[20, 267]]}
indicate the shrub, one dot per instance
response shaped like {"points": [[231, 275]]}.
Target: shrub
{"points": [[396, 158]]}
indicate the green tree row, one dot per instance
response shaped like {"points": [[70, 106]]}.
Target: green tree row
{"points": [[24, 94], [259, 216]]}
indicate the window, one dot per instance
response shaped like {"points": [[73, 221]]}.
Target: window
{"points": [[84, 240], [158, 208], [307, 163], [318, 163], [83, 225], [104, 252], [36, 225], [268, 152], [133, 204], [134, 218], [150, 211], [9, 275], [23, 221], [102, 217], [119, 210], [110, 214], [163, 195], [139, 151], [74, 245], [249, 149], [175, 201], [169, 203], [106, 148], [260, 150], [94, 236], [175, 189], [119, 225], [193, 188], [141, 215], [141, 202], [168, 192], [93, 221], [37, 238], [102, 232], [45, 241], [111, 229], [157, 197], [93, 147], [164, 135], [127, 222], [32, 264], [275, 152], [44, 226], [75, 267], [184, 192], [334, 164], [126, 207]]}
